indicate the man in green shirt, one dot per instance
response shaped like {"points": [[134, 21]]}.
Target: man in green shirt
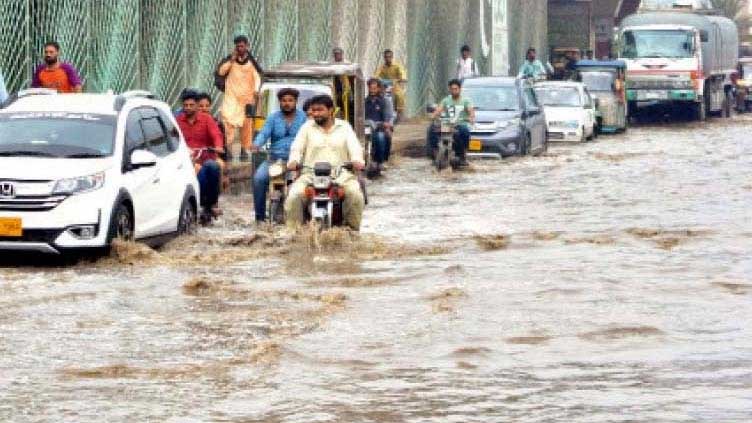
{"points": [[532, 67], [458, 110]]}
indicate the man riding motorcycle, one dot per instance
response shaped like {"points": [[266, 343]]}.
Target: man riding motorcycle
{"points": [[281, 128], [459, 109], [379, 112], [330, 140]]}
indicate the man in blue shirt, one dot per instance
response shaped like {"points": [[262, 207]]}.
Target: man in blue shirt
{"points": [[281, 128]]}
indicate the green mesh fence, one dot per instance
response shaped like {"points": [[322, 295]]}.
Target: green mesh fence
{"points": [[166, 45]]}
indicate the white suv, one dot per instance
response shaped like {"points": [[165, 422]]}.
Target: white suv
{"points": [[79, 170]]}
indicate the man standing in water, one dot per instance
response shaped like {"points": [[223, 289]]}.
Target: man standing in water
{"points": [[325, 139], [55, 74], [242, 81], [396, 73]]}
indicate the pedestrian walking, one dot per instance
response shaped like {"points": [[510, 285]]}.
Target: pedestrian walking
{"points": [[240, 79], [466, 66]]}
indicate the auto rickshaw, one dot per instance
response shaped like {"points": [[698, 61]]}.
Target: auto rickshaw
{"points": [[744, 85], [606, 82], [563, 60], [342, 81]]}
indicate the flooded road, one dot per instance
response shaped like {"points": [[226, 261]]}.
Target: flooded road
{"points": [[606, 282]]}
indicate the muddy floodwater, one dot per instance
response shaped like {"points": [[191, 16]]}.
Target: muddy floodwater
{"points": [[605, 282]]}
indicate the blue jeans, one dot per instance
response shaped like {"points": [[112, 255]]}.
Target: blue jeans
{"points": [[209, 178], [382, 146], [260, 189], [461, 139]]}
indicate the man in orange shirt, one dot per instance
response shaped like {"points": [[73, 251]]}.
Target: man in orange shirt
{"points": [[55, 74]]}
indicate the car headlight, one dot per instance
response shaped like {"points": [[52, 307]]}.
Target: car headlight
{"points": [[80, 184], [503, 124]]}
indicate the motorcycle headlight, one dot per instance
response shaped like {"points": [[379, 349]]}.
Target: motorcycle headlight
{"points": [[503, 124], [79, 185]]}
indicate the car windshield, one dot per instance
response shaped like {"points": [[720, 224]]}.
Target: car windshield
{"points": [[61, 134], [304, 95], [559, 96], [493, 98], [598, 81], [658, 44]]}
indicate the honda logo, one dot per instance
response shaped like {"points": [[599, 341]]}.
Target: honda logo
{"points": [[7, 190]]}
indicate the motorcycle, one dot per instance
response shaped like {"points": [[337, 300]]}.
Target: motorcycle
{"points": [[443, 153], [280, 180], [373, 169], [388, 86], [326, 196]]}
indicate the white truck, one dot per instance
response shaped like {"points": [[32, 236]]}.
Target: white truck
{"points": [[681, 56]]}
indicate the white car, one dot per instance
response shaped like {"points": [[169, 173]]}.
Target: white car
{"points": [[569, 110], [79, 170]]}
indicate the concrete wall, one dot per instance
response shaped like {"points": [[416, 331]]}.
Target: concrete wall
{"points": [[570, 24]]}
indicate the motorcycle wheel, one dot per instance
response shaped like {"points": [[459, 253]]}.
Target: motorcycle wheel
{"points": [[442, 157], [276, 212]]}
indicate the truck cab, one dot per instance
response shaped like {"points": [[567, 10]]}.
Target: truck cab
{"points": [[679, 57]]}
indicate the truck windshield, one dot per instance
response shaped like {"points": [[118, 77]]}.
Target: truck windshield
{"points": [[56, 135], [598, 81], [559, 96], [658, 43], [493, 98]]}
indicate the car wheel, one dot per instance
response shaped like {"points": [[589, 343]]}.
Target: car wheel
{"points": [[121, 224], [188, 218]]}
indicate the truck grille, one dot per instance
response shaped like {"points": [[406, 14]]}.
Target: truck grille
{"points": [[672, 84], [30, 203]]}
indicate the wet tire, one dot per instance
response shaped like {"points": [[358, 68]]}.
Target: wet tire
{"points": [[726, 108], [188, 220], [584, 137], [121, 224], [700, 111], [276, 212], [525, 146], [442, 158]]}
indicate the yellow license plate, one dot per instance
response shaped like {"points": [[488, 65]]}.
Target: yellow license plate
{"points": [[11, 226], [476, 145]]}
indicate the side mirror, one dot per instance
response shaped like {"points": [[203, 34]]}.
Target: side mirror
{"points": [[142, 158], [430, 108], [704, 36]]}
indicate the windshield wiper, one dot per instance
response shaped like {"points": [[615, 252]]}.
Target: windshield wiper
{"points": [[84, 156], [26, 153]]}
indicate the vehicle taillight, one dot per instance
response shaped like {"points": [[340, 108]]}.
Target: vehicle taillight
{"points": [[310, 192], [696, 77]]}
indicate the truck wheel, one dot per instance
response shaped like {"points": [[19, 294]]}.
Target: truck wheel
{"points": [[701, 112], [726, 112]]}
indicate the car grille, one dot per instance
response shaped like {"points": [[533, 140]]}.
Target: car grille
{"points": [[35, 235], [31, 203]]}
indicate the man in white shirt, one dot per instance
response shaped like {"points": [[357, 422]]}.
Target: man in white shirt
{"points": [[325, 139], [466, 67]]}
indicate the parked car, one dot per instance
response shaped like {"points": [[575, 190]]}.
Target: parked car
{"points": [[80, 170], [569, 109], [508, 118]]}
